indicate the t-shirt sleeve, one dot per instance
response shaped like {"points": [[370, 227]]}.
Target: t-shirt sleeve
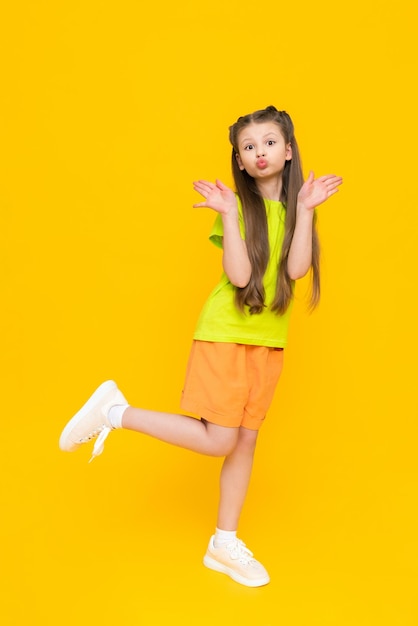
{"points": [[217, 232]]}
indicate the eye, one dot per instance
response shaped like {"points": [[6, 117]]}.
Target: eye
{"points": [[271, 142], [249, 147]]}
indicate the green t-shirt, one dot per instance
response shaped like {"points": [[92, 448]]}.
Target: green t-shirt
{"points": [[221, 321]]}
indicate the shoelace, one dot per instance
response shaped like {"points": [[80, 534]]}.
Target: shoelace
{"points": [[238, 550], [99, 443]]}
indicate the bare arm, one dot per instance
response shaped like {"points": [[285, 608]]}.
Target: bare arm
{"points": [[300, 254], [313, 192], [235, 259]]}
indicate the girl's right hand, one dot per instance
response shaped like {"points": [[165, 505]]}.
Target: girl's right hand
{"points": [[217, 196]]}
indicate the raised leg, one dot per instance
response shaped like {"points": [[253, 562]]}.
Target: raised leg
{"points": [[182, 430]]}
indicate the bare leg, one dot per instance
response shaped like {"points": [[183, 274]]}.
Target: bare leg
{"points": [[182, 430], [235, 479]]}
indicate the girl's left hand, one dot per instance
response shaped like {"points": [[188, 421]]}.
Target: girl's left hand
{"points": [[316, 190]]}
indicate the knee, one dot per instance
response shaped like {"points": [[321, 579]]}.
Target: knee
{"points": [[247, 440], [225, 445], [224, 448], [242, 441]]}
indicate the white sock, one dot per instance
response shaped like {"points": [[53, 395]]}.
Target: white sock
{"points": [[222, 537], [115, 415]]}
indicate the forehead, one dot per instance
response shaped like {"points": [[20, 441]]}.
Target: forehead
{"points": [[258, 130]]}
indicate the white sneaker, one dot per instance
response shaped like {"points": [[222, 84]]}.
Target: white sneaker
{"points": [[91, 420], [235, 560]]}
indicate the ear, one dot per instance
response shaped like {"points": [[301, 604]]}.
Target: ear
{"points": [[288, 156], [238, 158]]}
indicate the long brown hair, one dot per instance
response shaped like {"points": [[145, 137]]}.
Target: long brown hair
{"points": [[255, 219]]}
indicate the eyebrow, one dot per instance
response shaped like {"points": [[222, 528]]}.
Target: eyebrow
{"points": [[271, 132]]}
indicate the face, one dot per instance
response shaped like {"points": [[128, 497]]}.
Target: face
{"points": [[262, 150]]}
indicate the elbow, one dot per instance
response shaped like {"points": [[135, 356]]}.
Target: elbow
{"points": [[296, 273], [238, 276], [240, 283], [239, 279]]}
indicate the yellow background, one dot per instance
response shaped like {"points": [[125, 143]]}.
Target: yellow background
{"points": [[109, 112]]}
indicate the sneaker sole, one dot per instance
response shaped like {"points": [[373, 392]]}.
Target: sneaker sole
{"points": [[101, 391], [223, 569]]}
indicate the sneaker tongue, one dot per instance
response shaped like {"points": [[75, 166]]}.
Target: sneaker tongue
{"points": [[240, 551]]}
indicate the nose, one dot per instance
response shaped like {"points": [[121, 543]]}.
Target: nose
{"points": [[261, 152]]}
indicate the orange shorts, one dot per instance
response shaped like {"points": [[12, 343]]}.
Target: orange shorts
{"points": [[231, 384]]}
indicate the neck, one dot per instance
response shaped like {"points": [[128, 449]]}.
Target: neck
{"points": [[270, 189]]}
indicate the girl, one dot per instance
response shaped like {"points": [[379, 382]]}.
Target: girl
{"points": [[267, 233]]}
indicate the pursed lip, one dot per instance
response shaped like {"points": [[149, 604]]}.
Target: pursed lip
{"points": [[261, 163]]}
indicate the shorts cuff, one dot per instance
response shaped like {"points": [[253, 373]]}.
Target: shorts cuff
{"points": [[210, 416]]}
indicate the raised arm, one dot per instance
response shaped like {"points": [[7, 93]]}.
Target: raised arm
{"points": [[313, 193], [235, 259]]}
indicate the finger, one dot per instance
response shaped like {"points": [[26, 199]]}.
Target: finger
{"points": [[332, 185], [204, 190], [329, 177], [202, 184], [336, 180], [311, 177], [332, 191]]}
